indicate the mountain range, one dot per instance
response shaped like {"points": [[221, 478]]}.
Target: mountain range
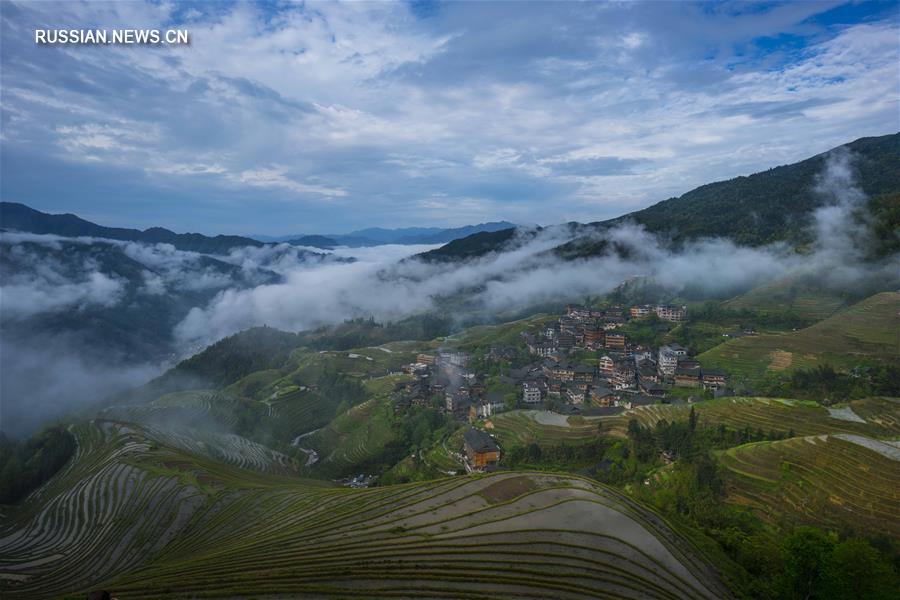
{"points": [[19, 217], [377, 236]]}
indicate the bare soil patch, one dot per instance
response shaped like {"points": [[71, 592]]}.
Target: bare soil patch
{"points": [[507, 489], [781, 360]]}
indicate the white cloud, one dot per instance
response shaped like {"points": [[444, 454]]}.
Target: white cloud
{"points": [[274, 177], [26, 296], [367, 106]]}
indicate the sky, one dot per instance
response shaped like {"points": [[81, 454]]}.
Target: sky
{"points": [[283, 118]]}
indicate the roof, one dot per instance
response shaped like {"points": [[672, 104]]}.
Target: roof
{"points": [[713, 372], [479, 441], [687, 372], [602, 411], [640, 400], [494, 397]]}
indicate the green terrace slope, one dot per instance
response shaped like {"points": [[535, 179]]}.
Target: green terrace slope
{"points": [[545, 428], [145, 520], [868, 330], [358, 435], [843, 482], [874, 417], [796, 295], [510, 333]]}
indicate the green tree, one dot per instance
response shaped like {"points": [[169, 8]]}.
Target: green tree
{"points": [[856, 571], [804, 553]]}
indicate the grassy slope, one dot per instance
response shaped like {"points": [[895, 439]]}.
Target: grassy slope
{"points": [[867, 330], [143, 520], [822, 480]]}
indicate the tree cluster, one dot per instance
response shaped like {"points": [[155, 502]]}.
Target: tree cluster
{"points": [[25, 466], [826, 385]]}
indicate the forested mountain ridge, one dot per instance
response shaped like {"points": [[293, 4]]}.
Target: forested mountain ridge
{"points": [[769, 206], [773, 205], [19, 217]]}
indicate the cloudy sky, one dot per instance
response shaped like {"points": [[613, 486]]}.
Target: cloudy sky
{"points": [[325, 117]]}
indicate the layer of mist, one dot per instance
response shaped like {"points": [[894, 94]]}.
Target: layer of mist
{"points": [[277, 286]]}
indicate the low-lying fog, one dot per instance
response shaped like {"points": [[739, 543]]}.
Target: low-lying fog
{"points": [[44, 376]]}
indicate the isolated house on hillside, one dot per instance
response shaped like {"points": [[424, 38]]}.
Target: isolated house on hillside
{"points": [[481, 449]]}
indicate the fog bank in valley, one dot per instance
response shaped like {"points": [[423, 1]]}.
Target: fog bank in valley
{"points": [[47, 279]]}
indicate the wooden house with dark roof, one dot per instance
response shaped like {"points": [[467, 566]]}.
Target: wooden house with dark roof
{"points": [[481, 449]]}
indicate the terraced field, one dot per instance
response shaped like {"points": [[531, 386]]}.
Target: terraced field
{"points": [[352, 438], [881, 416], [522, 427], [360, 362], [841, 482], [866, 330], [359, 434], [145, 520], [505, 333], [800, 295], [201, 405]]}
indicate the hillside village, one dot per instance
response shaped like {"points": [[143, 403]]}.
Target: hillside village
{"points": [[579, 364]]}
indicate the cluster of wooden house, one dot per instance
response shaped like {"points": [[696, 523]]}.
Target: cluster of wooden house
{"points": [[445, 378], [624, 374]]}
